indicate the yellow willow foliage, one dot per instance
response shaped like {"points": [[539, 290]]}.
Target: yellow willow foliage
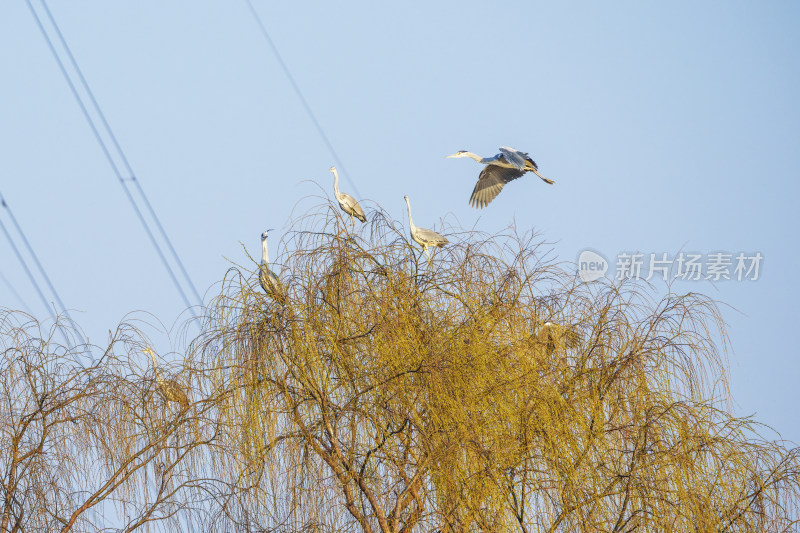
{"points": [[484, 389]]}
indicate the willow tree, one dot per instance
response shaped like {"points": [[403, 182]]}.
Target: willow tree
{"points": [[481, 390], [89, 446]]}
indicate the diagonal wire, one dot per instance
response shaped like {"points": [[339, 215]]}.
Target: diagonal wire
{"points": [[300, 96], [11, 288], [36, 260], [30, 275], [111, 162], [24, 265], [120, 151]]}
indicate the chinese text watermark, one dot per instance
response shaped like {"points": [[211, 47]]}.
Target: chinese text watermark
{"points": [[714, 266]]}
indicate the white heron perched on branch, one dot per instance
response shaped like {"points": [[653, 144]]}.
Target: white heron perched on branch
{"points": [[502, 168], [268, 279], [424, 237], [348, 204], [169, 388]]}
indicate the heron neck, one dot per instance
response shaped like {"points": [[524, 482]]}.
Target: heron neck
{"points": [[477, 158], [408, 205], [264, 252], [336, 182], [156, 369]]}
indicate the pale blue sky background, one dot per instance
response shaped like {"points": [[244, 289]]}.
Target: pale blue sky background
{"points": [[667, 126]]}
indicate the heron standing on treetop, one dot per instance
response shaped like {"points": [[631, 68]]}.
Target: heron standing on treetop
{"points": [[506, 166], [422, 236], [268, 279], [348, 204]]}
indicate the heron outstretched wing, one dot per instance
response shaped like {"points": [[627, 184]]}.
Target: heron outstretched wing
{"points": [[517, 158], [491, 181], [530, 163], [514, 157]]}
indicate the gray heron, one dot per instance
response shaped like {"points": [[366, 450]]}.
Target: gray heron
{"points": [[348, 204], [558, 336], [502, 168], [268, 279], [424, 237], [169, 388]]}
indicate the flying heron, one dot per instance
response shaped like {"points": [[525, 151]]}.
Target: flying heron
{"points": [[169, 388], [348, 204], [424, 237], [506, 166], [269, 280]]}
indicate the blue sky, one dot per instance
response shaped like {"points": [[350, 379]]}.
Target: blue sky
{"points": [[667, 126]]}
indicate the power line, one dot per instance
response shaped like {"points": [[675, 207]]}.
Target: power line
{"points": [[121, 152], [36, 260], [300, 96], [24, 265], [19, 298], [122, 180], [30, 274]]}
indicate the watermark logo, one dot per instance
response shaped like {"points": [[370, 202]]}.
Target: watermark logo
{"points": [[716, 266], [591, 266]]}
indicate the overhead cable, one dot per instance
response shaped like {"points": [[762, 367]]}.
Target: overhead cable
{"points": [[123, 180], [300, 96]]}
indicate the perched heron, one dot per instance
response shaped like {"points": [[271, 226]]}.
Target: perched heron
{"points": [[506, 166], [269, 280], [558, 336], [169, 388], [424, 237], [348, 204]]}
